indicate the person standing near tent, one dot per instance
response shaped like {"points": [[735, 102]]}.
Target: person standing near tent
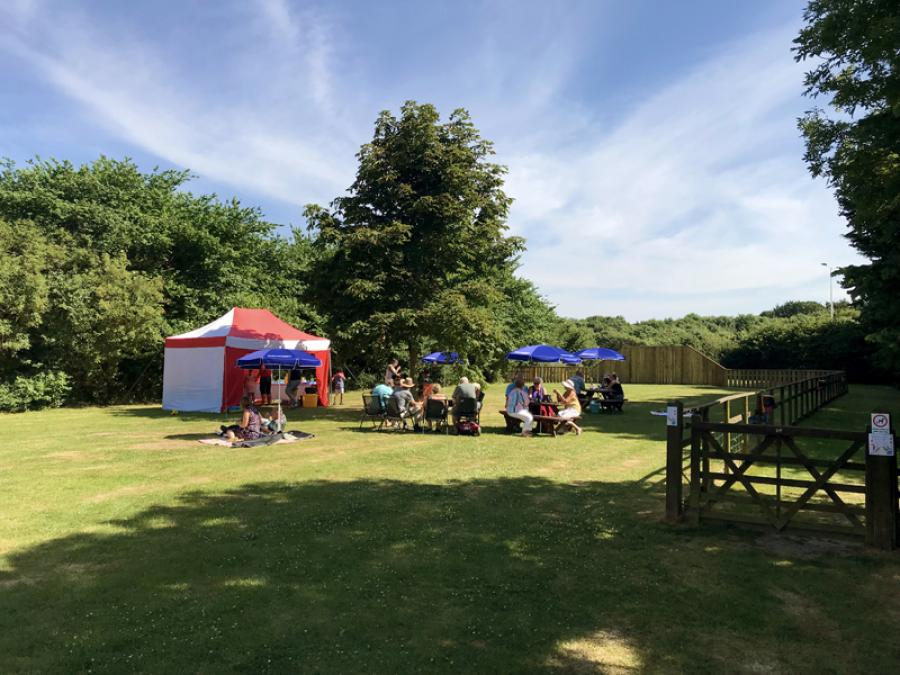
{"points": [[251, 379], [265, 384], [337, 386], [293, 385]]}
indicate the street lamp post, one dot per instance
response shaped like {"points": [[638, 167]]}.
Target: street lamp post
{"points": [[830, 289]]}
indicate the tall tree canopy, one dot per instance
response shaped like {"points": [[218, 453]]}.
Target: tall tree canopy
{"points": [[417, 255], [855, 46]]}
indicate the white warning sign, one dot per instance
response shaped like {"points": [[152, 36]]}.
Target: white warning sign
{"points": [[881, 440]]}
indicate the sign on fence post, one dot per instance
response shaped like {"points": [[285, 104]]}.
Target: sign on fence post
{"points": [[881, 440], [881, 484]]}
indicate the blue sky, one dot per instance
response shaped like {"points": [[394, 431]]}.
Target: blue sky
{"points": [[652, 147]]}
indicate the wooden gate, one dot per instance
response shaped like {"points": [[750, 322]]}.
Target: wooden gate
{"points": [[774, 473], [776, 478]]}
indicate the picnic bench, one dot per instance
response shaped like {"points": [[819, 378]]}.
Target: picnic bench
{"points": [[548, 424], [612, 404]]}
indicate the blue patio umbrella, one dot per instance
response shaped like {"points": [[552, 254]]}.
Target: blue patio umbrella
{"points": [[539, 354], [281, 359], [599, 354], [441, 358], [570, 359], [278, 359]]}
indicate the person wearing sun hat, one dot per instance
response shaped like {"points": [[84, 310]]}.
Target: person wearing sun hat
{"points": [[406, 402], [572, 407]]}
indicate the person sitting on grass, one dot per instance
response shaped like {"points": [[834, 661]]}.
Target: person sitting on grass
{"points": [[517, 405], [572, 407], [250, 425], [409, 408]]}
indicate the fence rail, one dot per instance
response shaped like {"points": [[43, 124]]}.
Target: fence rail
{"points": [[643, 364], [756, 378]]}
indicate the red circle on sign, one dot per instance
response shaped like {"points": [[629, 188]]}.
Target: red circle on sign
{"points": [[879, 421]]}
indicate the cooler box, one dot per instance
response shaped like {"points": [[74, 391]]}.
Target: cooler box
{"points": [[310, 400]]}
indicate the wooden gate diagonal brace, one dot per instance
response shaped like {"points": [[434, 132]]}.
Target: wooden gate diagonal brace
{"points": [[819, 482], [835, 497], [738, 475]]}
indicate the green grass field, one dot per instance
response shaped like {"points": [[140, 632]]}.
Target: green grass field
{"points": [[125, 545]]}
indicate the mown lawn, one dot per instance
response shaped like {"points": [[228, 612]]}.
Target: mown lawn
{"points": [[125, 545]]}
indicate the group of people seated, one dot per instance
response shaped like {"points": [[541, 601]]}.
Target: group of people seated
{"points": [[399, 387], [524, 403]]}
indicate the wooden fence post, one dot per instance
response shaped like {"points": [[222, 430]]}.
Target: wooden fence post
{"points": [[674, 463], [881, 500]]}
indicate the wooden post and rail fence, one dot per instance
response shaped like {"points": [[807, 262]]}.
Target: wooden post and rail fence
{"points": [[677, 364], [742, 459]]}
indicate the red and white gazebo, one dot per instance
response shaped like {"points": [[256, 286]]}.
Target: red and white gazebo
{"points": [[200, 374]]}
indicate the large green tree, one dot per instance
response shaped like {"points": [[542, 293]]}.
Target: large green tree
{"points": [[854, 46], [417, 255], [101, 261]]}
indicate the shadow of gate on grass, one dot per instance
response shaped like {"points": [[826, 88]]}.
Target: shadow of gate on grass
{"points": [[385, 576]]}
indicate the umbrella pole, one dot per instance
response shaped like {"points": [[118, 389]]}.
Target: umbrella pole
{"points": [[280, 428]]}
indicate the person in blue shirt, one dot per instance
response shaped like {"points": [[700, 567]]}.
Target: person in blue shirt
{"points": [[382, 392], [578, 380]]}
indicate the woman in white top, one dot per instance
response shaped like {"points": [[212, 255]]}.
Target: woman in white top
{"points": [[393, 370]]}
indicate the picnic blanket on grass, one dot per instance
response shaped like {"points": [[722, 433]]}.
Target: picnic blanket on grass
{"points": [[269, 439]]}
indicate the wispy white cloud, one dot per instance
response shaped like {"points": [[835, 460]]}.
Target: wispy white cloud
{"points": [[127, 87], [699, 191], [689, 197]]}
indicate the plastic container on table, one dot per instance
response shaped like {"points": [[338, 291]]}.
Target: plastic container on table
{"points": [[310, 400]]}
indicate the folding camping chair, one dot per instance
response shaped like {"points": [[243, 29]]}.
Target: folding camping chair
{"points": [[373, 410], [467, 409], [394, 415], [436, 410]]}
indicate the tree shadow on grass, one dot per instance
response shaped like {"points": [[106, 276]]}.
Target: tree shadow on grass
{"points": [[505, 575]]}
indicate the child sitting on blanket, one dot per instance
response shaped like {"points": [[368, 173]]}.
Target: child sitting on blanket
{"points": [[270, 423]]}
